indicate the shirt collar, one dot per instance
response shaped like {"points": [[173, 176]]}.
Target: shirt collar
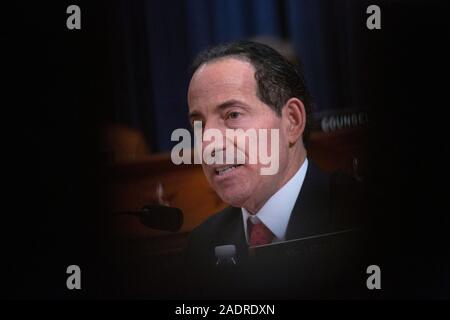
{"points": [[276, 212]]}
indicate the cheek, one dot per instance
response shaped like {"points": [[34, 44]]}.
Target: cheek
{"points": [[276, 139], [283, 145]]}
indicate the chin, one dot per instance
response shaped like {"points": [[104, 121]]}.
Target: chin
{"points": [[233, 196]]}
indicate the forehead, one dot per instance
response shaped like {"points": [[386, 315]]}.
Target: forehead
{"points": [[222, 79]]}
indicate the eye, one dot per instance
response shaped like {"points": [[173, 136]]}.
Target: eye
{"points": [[233, 115]]}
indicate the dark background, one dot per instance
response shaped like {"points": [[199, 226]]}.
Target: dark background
{"points": [[128, 64]]}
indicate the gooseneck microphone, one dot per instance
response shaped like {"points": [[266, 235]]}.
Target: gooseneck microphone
{"points": [[158, 217]]}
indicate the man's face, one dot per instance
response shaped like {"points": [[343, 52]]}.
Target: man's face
{"points": [[222, 94]]}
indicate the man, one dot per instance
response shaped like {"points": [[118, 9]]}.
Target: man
{"points": [[247, 85]]}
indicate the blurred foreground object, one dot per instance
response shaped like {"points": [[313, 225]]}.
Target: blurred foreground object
{"points": [[120, 143]]}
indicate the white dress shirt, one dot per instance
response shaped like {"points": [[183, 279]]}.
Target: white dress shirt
{"points": [[276, 212]]}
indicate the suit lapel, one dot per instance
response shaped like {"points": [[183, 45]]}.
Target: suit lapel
{"points": [[311, 213]]}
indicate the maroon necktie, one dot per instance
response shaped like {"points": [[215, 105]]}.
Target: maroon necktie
{"points": [[258, 233]]}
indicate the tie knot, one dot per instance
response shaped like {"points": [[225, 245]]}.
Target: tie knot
{"points": [[258, 233]]}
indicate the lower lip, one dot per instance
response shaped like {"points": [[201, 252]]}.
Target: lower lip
{"points": [[226, 175]]}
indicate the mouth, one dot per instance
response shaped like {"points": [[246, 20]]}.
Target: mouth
{"points": [[226, 169]]}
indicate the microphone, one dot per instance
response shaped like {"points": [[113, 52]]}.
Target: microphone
{"points": [[159, 217]]}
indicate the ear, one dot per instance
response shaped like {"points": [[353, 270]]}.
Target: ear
{"points": [[294, 118]]}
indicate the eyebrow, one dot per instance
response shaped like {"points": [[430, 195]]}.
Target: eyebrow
{"points": [[222, 106], [230, 103], [194, 114]]}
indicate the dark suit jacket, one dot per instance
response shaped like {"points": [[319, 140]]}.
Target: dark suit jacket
{"points": [[326, 203]]}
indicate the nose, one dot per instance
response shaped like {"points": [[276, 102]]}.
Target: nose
{"points": [[213, 138]]}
